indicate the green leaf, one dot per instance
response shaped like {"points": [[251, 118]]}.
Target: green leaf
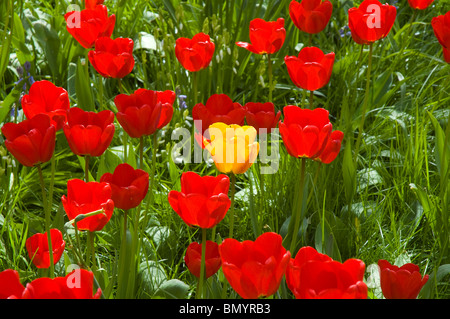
{"points": [[18, 41], [325, 241], [7, 103], [85, 100], [151, 276], [349, 173], [442, 148], [173, 289], [49, 41], [429, 289]]}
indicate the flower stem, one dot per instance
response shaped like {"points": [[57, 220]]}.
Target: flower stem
{"points": [[366, 100], [298, 212], [269, 71], [311, 99], [141, 152], [202, 266], [195, 86], [231, 211], [100, 90], [86, 168], [47, 220], [92, 249]]}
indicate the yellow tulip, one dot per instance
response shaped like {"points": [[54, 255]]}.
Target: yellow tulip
{"points": [[232, 147]]}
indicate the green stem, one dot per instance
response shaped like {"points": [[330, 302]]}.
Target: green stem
{"points": [[141, 152], [152, 173], [269, 71], [100, 90], [195, 87], [298, 213], [311, 99], [366, 100], [92, 248], [202, 266], [86, 168], [231, 211], [123, 275], [119, 82], [47, 220]]}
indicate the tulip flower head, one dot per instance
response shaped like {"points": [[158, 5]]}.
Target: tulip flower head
{"points": [[144, 111], [37, 247], [10, 285], [232, 147], [91, 4], [87, 197], [45, 97], [371, 21], [312, 69], [218, 108], [265, 37], [403, 282], [78, 284], [112, 58], [31, 141], [261, 116], [89, 133], [441, 28], [310, 16], [89, 24], [308, 133], [420, 4], [254, 269], [128, 185], [203, 200], [312, 275], [212, 258], [194, 54]]}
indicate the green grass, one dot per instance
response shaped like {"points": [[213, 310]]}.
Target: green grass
{"points": [[392, 203]]}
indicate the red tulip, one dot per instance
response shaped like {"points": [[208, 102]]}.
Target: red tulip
{"points": [[420, 4], [212, 258], [403, 282], [308, 133], [45, 97], [10, 286], [441, 28], [311, 70], [144, 111], [310, 16], [371, 21], [332, 148], [86, 197], [89, 24], [31, 141], [218, 108], [203, 200], [261, 116], [91, 4], [89, 133], [254, 269], [112, 58], [128, 185], [265, 37], [37, 247], [312, 275], [194, 54], [78, 284]]}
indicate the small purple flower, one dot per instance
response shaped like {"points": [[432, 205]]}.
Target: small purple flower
{"points": [[181, 99]]}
